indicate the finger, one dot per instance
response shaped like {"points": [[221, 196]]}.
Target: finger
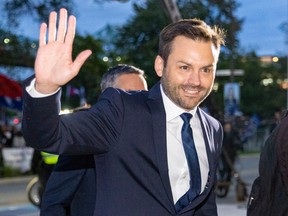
{"points": [[42, 34], [62, 25], [71, 30], [52, 26], [80, 59]]}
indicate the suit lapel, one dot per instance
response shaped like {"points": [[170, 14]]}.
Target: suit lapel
{"points": [[209, 143], [210, 149], [155, 103]]}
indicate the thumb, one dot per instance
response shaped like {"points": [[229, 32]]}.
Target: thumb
{"points": [[80, 59]]}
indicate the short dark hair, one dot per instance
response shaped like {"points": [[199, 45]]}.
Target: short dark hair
{"points": [[108, 79], [194, 29]]}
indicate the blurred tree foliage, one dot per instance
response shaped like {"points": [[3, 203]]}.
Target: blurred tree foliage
{"points": [[38, 9], [137, 39], [16, 50], [91, 73], [136, 42], [260, 86], [261, 91]]}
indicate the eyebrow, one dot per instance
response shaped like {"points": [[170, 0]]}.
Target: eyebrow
{"points": [[206, 66], [210, 65]]}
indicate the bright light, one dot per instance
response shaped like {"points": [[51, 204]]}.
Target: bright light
{"points": [[65, 111], [6, 40], [284, 84], [267, 81], [118, 58], [275, 59], [105, 59], [16, 121], [33, 45], [216, 86]]}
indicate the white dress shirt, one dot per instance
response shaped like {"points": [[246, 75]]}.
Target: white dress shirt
{"points": [[177, 163]]}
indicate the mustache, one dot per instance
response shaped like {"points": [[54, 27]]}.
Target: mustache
{"points": [[191, 86]]}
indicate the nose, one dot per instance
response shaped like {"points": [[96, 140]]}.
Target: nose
{"points": [[194, 78]]}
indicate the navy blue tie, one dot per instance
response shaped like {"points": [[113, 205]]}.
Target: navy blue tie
{"points": [[193, 163]]}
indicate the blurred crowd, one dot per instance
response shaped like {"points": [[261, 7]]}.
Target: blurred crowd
{"points": [[11, 136]]}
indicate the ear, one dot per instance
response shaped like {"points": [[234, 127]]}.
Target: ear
{"points": [[159, 65]]}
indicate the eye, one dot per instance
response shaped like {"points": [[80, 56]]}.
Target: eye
{"points": [[184, 68], [207, 70]]}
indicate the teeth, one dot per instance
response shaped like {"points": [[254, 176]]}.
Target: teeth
{"points": [[191, 91]]}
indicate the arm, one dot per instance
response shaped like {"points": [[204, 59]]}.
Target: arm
{"points": [[64, 182], [90, 131], [42, 127]]}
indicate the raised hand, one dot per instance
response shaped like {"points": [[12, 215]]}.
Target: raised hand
{"points": [[54, 66]]}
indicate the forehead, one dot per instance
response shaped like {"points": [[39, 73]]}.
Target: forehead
{"points": [[190, 50], [130, 81]]}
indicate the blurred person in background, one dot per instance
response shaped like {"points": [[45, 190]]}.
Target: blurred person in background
{"points": [[72, 185], [7, 135], [269, 193], [276, 119], [42, 164], [230, 147]]}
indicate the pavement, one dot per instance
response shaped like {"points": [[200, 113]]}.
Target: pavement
{"points": [[247, 168], [231, 209]]}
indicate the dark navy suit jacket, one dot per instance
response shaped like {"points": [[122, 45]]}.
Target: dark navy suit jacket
{"points": [[127, 132], [71, 187]]}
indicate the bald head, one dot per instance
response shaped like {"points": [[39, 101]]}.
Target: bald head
{"points": [[125, 77]]}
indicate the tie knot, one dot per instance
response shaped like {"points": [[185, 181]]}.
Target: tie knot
{"points": [[186, 117]]}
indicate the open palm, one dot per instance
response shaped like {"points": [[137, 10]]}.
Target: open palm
{"points": [[54, 66]]}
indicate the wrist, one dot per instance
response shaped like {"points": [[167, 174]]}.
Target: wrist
{"points": [[45, 88]]}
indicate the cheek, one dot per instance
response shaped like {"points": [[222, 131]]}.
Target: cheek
{"points": [[140, 86], [173, 75], [207, 80]]}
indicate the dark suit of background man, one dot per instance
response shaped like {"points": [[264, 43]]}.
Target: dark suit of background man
{"points": [[72, 185], [141, 167]]}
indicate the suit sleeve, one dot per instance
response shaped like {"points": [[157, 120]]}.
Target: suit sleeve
{"points": [[87, 132], [64, 183]]}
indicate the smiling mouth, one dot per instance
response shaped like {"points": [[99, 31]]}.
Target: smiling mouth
{"points": [[191, 91]]}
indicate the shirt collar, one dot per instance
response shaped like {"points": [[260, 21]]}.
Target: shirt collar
{"points": [[172, 110]]}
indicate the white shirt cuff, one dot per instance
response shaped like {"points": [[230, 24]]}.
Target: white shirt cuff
{"points": [[34, 93]]}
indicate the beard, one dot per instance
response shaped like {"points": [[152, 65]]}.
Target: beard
{"points": [[176, 93]]}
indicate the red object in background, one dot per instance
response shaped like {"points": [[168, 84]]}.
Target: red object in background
{"points": [[10, 93], [9, 88]]}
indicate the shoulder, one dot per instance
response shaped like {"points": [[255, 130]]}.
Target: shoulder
{"points": [[114, 92], [204, 116], [118, 97]]}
